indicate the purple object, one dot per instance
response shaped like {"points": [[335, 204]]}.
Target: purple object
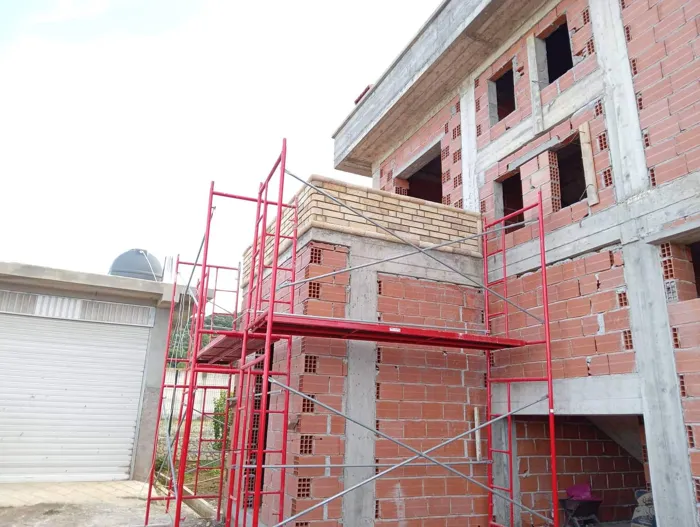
{"points": [[581, 492]]}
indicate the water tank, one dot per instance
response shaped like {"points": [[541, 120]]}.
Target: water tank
{"points": [[137, 263]]}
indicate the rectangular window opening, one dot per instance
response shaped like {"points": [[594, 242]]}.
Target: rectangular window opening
{"points": [[512, 189], [558, 46], [572, 178], [504, 91], [694, 249], [426, 183]]}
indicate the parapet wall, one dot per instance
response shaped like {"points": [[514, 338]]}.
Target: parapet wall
{"points": [[422, 222]]}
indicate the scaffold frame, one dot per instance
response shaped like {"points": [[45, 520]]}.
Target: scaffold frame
{"points": [[267, 318]]}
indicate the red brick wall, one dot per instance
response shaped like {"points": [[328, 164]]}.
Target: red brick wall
{"points": [[447, 124], [584, 455], [589, 316], [664, 52], [318, 368], [684, 318], [581, 32], [424, 396], [539, 173]]}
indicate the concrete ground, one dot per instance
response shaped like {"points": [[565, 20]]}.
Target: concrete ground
{"points": [[100, 504]]}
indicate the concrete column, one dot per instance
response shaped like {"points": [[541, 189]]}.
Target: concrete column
{"points": [[150, 396], [621, 118], [501, 472], [360, 401], [376, 177], [667, 447], [537, 64], [470, 185]]}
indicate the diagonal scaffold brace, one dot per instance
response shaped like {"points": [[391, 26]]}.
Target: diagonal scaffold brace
{"points": [[418, 248], [418, 454]]}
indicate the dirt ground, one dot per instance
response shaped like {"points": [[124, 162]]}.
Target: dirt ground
{"points": [[91, 515]]}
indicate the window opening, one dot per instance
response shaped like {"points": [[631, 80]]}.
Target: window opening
{"points": [[558, 46], [505, 96], [512, 189], [572, 179]]}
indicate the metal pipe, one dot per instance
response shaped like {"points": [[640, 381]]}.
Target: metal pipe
{"points": [[408, 242], [548, 359], [407, 447], [151, 476], [370, 466], [197, 342], [392, 258], [268, 339]]}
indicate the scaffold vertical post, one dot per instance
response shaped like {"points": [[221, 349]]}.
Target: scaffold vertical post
{"points": [[548, 359], [152, 474]]}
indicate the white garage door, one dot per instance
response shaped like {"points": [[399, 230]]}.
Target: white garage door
{"points": [[69, 390]]}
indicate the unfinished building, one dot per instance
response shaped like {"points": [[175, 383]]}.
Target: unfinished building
{"points": [[517, 292]]}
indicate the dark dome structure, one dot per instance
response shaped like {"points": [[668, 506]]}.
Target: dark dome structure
{"points": [[137, 263]]}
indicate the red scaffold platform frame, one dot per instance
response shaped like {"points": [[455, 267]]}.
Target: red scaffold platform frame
{"points": [[267, 317]]}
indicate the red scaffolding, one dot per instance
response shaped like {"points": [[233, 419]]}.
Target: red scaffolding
{"points": [[245, 351]]}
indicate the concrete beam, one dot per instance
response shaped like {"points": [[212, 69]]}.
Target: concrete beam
{"points": [[600, 395], [641, 216]]}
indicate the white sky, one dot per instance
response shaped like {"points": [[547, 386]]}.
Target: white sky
{"points": [[116, 114]]}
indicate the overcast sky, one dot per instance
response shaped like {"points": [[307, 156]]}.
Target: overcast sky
{"points": [[116, 114]]}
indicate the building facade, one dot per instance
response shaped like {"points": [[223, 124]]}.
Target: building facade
{"points": [[595, 105]]}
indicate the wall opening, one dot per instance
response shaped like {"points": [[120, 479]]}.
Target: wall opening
{"points": [[512, 190], [694, 249], [572, 178], [502, 92], [426, 183], [559, 59]]}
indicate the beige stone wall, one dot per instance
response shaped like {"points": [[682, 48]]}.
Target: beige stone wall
{"points": [[423, 223]]}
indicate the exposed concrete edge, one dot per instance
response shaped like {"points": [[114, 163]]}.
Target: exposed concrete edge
{"points": [[639, 217], [393, 64], [36, 275], [314, 224], [599, 395], [450, 30], [686, 233]]}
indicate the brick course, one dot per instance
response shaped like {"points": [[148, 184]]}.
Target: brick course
{"points": [[584, 455], [426, 395], [664, 51]]}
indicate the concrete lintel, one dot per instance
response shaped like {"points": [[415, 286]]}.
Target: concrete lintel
{"points": [[600, 395], [419, 160], [562, 107], [554, 141], [641, 216], [683, 234]]}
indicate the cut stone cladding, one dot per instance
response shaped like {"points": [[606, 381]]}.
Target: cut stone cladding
{"points": [[423, 223], [664, 52], [445, 129], [585, 455]]}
